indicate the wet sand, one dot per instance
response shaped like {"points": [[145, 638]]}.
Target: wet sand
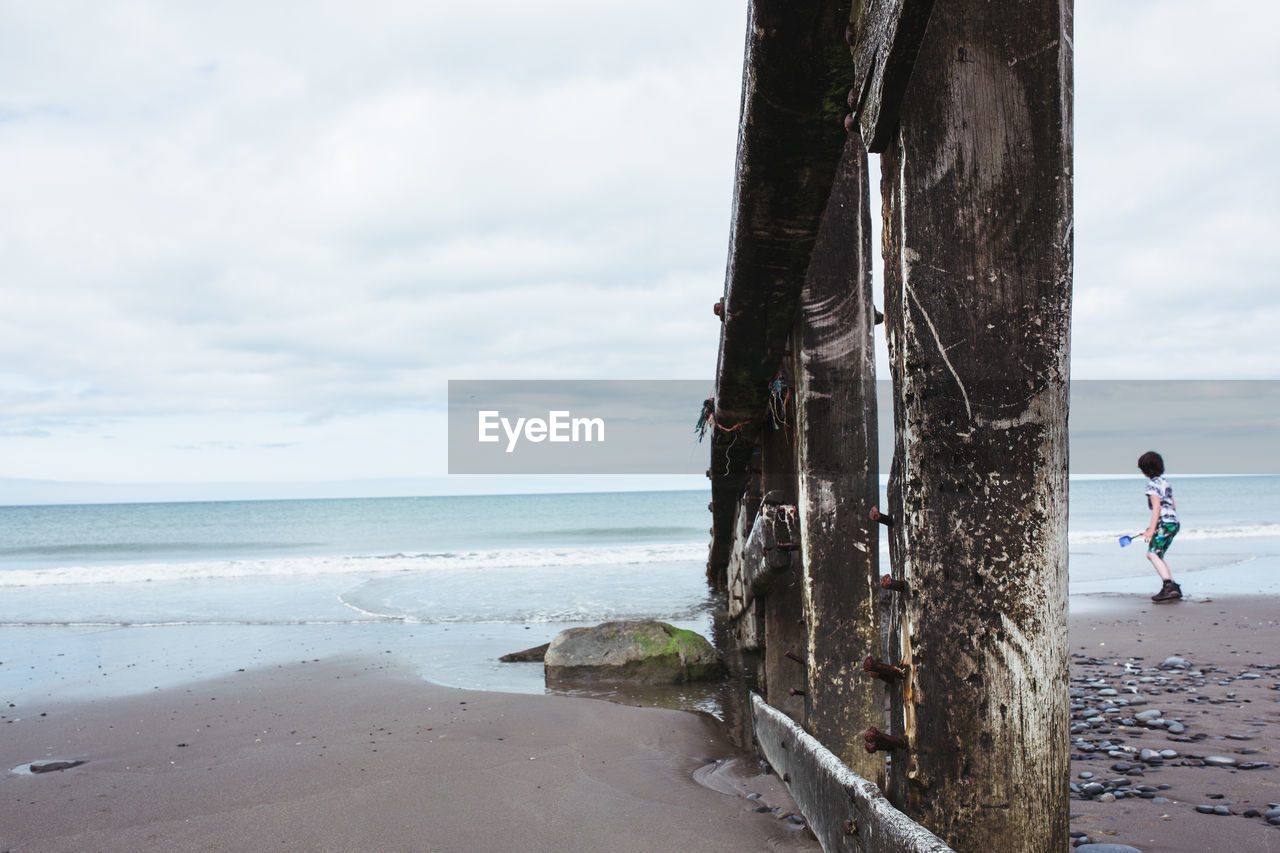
{"points": [[359, 753], [1224, 715]]}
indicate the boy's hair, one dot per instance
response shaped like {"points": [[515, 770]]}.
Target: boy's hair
{"points": [[1151, 463]]}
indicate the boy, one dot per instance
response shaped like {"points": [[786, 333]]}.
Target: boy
{"points": [[1164, 522]]}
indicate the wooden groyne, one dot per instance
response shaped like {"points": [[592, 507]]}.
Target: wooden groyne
{"points": [[941, 681]]}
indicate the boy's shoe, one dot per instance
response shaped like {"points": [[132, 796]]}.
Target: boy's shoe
{"points": [[1169, 592]]}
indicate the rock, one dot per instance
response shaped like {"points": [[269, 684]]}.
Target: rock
{"points": [[52, 766], [537, 653], [1107, 798], [1220, 761], [633, 652], [1175, 662]]}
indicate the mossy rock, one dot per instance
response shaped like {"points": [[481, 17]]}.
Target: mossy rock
{"points": [[631, 652]]}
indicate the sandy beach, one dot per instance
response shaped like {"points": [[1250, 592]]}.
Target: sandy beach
{"points": [[355, 753], [1224, 696]]}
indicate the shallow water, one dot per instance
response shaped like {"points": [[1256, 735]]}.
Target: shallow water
{"points": [[124, 598]]}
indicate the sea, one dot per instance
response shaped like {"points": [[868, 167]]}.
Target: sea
{"points": [[116, 599]]}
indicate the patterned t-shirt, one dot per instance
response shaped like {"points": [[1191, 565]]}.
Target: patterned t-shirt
{"points": [[1160, 487]]}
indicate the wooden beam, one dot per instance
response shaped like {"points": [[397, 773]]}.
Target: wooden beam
{"points": [[764, 553], [838, 470], [784, 656], [978, 241], [794, 80], [886, 36], [790, 136], [845, 811]]}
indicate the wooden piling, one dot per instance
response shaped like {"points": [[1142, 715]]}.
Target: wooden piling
{"points": [[836, 457], [978, 237]]}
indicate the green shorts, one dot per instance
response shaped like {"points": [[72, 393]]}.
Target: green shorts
{"points": [[1163, 537]]}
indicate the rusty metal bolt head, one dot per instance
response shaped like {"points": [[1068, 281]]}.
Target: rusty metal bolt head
{"points": [[880, 669], [874, 740], [852, 98], [877, 515], [850, 35], [850, 122], [795, 691], [718, 308], [888, 582], [792, 656]]}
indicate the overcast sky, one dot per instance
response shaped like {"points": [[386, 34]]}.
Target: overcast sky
{"points": [[250, 242]]}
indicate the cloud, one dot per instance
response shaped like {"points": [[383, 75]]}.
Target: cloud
{"points": [[306, 217]]}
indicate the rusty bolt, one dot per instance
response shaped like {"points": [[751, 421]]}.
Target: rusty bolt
{"points": [[850, 827], [708, 473], [850, 122], [879, 317], [718, 308], [737, 597], [795, 691], [849, 34], [793, 656], [888, 582], [880, 669], [852, 100], [711, 507], [874, 740], [877, 515]]}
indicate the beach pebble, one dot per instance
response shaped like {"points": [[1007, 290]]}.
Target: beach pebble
{"points": [[1220, 761], [1107, 798], [52, 766], [1175, 662], [1221, 810], [1205, 809]]}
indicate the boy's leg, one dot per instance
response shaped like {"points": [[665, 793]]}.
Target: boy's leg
{"points": [[1161, 567]]}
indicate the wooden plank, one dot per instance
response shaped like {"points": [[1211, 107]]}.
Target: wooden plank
{"points": [[838, 470], [830, 795], [790, 133], [761, 555], [784, 655], [886, 38], [977, 184]]}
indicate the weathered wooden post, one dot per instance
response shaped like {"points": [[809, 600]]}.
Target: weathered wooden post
{"points": [[795, 72], [978, 241], [837, 470]]}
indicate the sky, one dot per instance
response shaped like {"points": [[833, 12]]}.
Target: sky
{"points": [[248, 244]]}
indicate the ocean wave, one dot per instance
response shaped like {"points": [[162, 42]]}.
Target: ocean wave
{"points": [[1110, 537], [113, 549], [514, 558]]}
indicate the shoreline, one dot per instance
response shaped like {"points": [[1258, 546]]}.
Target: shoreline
{"points": [[247, 759], [357, 753]]}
